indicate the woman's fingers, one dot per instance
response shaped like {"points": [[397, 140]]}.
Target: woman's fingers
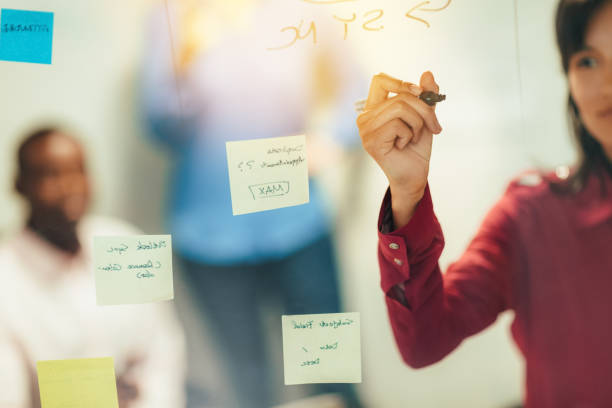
{"points": [[395, 133], [428, 82], [399, 110], [405, 134], [411, 109], [395, 122], [382, 84]]}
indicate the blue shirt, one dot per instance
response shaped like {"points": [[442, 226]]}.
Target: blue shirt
{"points": [[239, 90]]}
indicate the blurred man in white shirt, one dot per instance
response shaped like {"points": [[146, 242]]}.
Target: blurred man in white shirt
{"points": [[47, 299]]}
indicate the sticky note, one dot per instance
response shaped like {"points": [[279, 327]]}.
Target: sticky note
{"points": [[26, 36], [266, 174], [133, 269], [77, 383], [322, 348]]}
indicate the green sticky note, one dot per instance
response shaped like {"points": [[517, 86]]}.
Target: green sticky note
{"points": [[133, 269], [77, 383], [266, 174], [322, 348], [26, 36]]}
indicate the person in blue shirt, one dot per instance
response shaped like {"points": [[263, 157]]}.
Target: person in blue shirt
{"points": [[216, 74]]}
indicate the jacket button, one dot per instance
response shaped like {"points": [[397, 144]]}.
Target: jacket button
{"points": [[398, 261], [393, 245]]}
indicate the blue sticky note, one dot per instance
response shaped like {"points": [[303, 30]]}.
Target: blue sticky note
{"points": [[26, 36]]}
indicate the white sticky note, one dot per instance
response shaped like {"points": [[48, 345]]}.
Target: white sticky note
{"points": [[133, 269], [322, 348], [266, 174]]}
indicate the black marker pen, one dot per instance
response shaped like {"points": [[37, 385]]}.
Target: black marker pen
{"points": [[429, 97]]}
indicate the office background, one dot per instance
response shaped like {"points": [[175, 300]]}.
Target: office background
{"points": [[495, 127]]}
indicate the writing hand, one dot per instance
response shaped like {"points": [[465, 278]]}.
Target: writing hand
{"points": [[398, 133]]}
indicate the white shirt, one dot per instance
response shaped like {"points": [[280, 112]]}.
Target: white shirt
{"points": [[48, 311]]}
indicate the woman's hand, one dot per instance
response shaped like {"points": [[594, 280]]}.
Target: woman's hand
{"points": [[398, 132]]}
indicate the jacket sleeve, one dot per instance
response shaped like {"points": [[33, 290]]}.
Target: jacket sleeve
{"points": [[432, 313]]}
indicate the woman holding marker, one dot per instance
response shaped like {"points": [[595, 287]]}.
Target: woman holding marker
{"points": [[542, 251]]}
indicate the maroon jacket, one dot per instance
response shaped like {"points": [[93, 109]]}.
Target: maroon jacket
{"points": [[547, 257]]}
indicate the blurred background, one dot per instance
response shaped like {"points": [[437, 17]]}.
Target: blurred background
{"points": [[495, 126]]}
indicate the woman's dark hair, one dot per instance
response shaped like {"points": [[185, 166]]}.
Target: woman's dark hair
{"points": [[573, 17]]}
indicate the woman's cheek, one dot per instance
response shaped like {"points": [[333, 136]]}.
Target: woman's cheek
{"points": [[577, 87], [584, 90]]}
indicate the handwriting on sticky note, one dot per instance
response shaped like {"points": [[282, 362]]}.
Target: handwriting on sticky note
{"points": [[26, 36], [266, 174], [133, 269], [322, 348], [77, 383]]}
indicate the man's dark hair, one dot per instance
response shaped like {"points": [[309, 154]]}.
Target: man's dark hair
{"points": [[31, 139]]}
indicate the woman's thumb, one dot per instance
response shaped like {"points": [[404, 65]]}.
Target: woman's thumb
{"points": [[428, 82]]}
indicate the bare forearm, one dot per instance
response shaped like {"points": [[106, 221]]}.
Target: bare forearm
{"points": [[403, 205]]}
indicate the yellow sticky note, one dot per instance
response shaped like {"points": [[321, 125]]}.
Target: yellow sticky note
{"points": [[133, 269], [77, 383], [322, 348], [266, 174]]}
